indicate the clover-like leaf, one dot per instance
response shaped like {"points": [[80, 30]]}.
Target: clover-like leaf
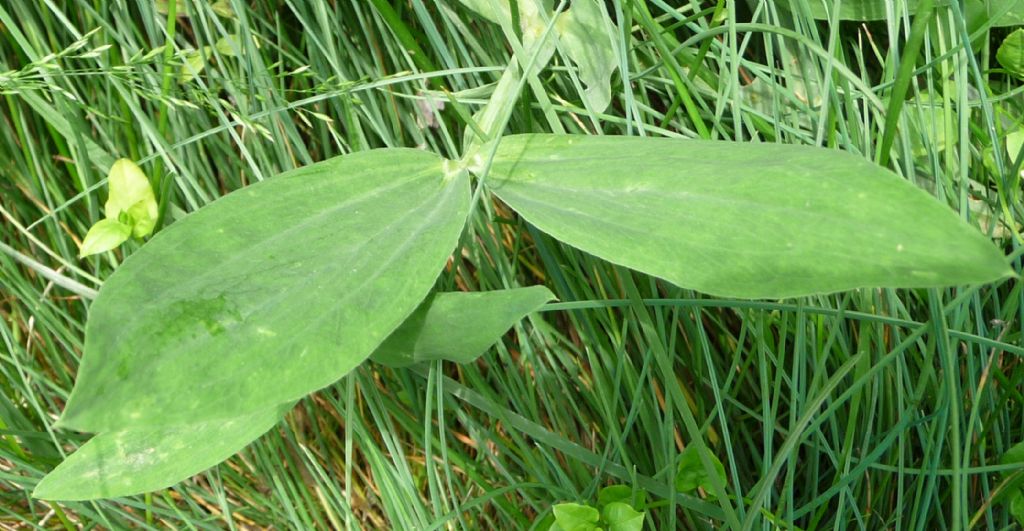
{"points": [[131, 194]]}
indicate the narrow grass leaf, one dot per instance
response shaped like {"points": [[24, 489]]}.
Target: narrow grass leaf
{"points": [[459, 326], [267, 294], [859, 9], [740, 220]]}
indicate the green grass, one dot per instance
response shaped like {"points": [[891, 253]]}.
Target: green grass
{"points": [[867, 409]]}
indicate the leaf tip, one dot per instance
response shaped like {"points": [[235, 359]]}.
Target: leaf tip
{"points": [[49, 488]]}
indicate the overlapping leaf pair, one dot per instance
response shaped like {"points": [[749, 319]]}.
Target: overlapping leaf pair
{"points": [[203, 337]]}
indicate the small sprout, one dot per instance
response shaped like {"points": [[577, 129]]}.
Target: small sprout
{"points": [[692, 475], [131, 210], [616, 511]]}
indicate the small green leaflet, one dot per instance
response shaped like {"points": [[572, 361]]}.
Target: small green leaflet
{"points": [[1011, 54], [575, 517], [740, 220], [587, 34], [615, 511], [268, 293], [105, 235], [620, 516], [131, 209], [459, 326], [691, 473], [133, 461]]}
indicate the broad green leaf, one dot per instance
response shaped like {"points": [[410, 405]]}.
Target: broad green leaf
{"points": [[131, 194], [133, 461], [575, 517], [993, 13], [691, 473], [459, 326], [269, 293], [740, 219], [587, 36], [1011, 53], [620, 516], [105, 235]]}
